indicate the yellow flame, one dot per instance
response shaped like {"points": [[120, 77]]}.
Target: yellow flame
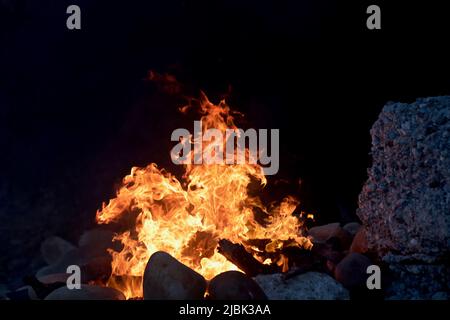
{"points": [[187, 220]]}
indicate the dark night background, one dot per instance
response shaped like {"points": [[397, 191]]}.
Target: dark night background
{"points": [[76, 112]]}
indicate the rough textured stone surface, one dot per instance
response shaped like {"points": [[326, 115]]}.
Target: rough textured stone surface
{"points": [[307, 286], [352, 270], [419, 281], [234, 285], [405, 204], [167, 278], [87, 292]]}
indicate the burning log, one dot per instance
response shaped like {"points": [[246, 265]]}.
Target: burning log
{"points": [[236, 254], [295, 259]]}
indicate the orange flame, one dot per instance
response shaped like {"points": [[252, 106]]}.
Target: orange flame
{"points": [[188, 219]]}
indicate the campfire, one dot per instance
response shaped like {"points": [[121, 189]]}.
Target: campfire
{"points": [[211, 219], [211, 234]]}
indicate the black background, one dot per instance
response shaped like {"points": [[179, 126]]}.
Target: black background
{"points": [[76, 111], [413, 309]]}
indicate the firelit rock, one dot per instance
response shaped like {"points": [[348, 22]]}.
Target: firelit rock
{"points": [[307, 286], [322, 233], [87, 292], [359, 243], [331, 231], [234, 285], [165, 278], [405, 203], [352, 270]]}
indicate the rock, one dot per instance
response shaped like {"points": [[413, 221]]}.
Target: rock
{"points": [[24, 293], [92, 268], [165, 278], [405, 203], [54, 248], [330, 255], [87, 292], [359, 243], [352, 270], [234, 285], [331, 232], [418, 281], [352, 228], [53, 278], [72, 257], [307, 286], [31, 292], [323, 233]]}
